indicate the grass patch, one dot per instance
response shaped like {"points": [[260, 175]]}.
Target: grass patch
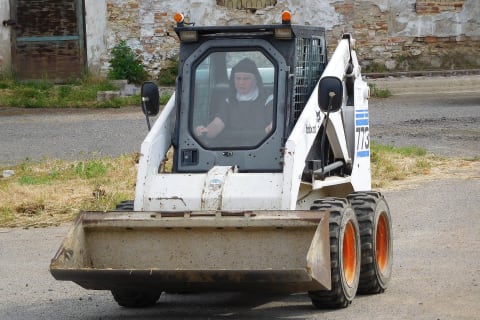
{"points": [[91, 169], [50, 192], [6, 216], [45, 94], [164, 97], [53, 191], [379, 93], [399, 163], [168, 74]]}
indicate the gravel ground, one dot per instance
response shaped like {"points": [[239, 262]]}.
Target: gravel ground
{"points": [[447, 124], [436, 271], [444, 124], [69, 134]]}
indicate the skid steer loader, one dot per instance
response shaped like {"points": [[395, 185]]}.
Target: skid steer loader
{"points": [[279, 200]]}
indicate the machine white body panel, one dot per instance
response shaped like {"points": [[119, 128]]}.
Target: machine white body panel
{"points": [[222, 188]]}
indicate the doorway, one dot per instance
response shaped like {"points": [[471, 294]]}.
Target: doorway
{"points": [[48, 39]]}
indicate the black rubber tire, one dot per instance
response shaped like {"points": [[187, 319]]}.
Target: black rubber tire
{"points": [[132, 298], [126, 205], [345, 274], [375, 223]]}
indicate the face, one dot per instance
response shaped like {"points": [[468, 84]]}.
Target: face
{"points": [[244, 82]]}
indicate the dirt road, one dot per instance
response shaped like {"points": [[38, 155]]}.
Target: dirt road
{"points": [[444, 124], [69, 133], [436, 272]]}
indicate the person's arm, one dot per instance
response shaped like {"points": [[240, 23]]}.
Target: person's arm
{"points": [[269, 112], [212, 130], [268, 128]]}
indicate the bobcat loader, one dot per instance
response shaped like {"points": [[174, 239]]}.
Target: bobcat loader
{"points": [[288, 208]]}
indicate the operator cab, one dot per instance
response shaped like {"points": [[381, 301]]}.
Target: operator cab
{"points": [[288, 60], [251, 129]]}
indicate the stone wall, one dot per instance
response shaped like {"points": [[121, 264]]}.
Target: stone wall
{"points": [[438, 6], [400, 35], [391, 34], [418, 34]]}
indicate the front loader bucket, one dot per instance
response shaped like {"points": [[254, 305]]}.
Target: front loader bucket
{"points": [[197, 251]]}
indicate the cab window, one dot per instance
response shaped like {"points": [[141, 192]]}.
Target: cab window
{"points": [[233, 100]]}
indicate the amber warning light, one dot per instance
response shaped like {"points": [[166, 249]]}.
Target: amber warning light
{"points": [[185, 35], [286, 17], [178, 17], [284, 32]]}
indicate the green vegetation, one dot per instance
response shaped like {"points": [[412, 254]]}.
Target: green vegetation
{"points": [[379, 93], [125, 65], [164, 97], [83, 92], [375, 67], [424, 62], [45, 94], [168, 75], [399, 163], [53, 191], [90, 169], [409, 151]]}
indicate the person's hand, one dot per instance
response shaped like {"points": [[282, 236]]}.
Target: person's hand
{"points": [[200, 131], [268, 128]]}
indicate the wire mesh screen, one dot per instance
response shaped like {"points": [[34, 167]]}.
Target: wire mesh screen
{"points": [[310, 62]]}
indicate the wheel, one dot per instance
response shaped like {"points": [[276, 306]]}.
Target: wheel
{"points": [[375, 223], [132, 298], [344, 254], [126, 205]]}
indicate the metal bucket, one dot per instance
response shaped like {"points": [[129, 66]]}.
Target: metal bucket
{"points": [[281, 251]]}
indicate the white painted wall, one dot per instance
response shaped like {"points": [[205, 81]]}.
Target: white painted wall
{"points": [[96, 22], [5, 52], [311, 12]]}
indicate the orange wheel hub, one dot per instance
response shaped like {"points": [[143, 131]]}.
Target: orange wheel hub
{"points": [[349, 254], [382, 243]]}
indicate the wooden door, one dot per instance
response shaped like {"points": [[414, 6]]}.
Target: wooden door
{"points": [[48, 39]]}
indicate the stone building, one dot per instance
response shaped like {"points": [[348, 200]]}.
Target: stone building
{"points": [[63, 38]]}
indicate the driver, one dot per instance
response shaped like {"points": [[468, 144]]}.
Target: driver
{"points": [[247, 108]]}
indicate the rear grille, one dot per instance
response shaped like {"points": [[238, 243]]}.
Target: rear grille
{"points": [[310, 63]]}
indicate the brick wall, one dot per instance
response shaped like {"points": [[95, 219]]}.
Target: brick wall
{"points": [[402, 39], [438, 6], [246, 4]]}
